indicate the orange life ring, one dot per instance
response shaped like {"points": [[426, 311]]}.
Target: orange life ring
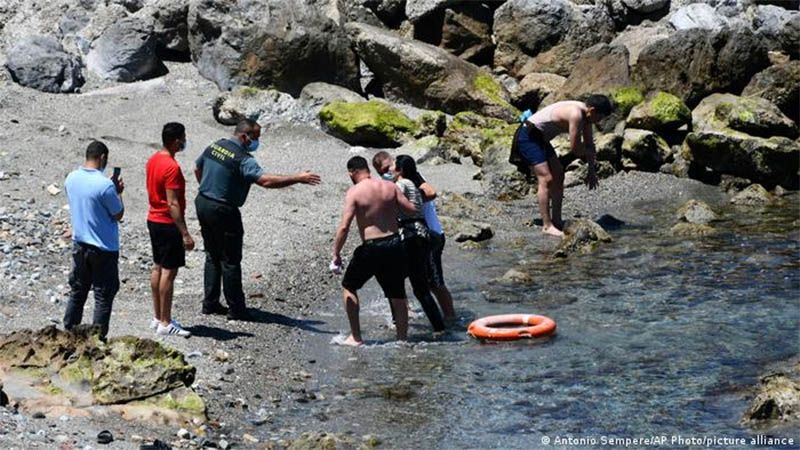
{"points": [[531, 325]]}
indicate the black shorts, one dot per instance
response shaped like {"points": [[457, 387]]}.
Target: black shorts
{"points": [[167, 244], [435, 272], [385, 259], [533, 147]]}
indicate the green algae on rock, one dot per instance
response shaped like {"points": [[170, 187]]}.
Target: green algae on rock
{"points": [[625, 98], [373, 123], [661, 112]]}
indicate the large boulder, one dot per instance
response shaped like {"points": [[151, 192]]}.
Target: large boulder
{"points": [[601, 69], [630, 12], [170, 27], [661, 112], [717, 145], [779, 28], [754, 195], [780, 84], [318, 94], [698, 15], [373, 123], [752, 115], [467, 32], [464, 230], [427, 76], [534, 88], [40, 62], [694, 63], [547, 35], [418, 9], [126, 52], [637, 38], [470, 134], [284, 44], [646, 150]]}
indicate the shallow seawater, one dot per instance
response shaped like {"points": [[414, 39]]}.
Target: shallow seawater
{"points": [[657, 336]]}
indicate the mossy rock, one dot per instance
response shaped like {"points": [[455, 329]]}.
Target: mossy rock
{"points": [[754, 195], [647, 150], [661, 112], [686, 229], [485, 84], [137, 368], [582, 236], [471, 134], [373, 123], [753, 116], [625, 98], [431, 123]]}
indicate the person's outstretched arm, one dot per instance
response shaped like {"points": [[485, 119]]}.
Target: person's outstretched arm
{"points": [[344, 228], [269, 181]]}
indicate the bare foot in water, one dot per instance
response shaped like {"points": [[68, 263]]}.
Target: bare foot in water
{"points": [[553, 231], [349, 342]]}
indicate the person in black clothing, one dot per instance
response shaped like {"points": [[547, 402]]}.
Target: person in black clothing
{"points": [[225, 171]]}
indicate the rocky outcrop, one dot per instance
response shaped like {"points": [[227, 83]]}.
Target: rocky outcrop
{"points": [[661, 112], [126, 51], [284, 44], [689, 63], [637, 38], [40, 62], [547, 35], [646, 150], [600, 69], [630, 12], [780, 84], [318, 94], [262, 105], [581, 237], [427, 76], [76, 365], [777, 399], [471, 134], [373, 123], [467, 32]]}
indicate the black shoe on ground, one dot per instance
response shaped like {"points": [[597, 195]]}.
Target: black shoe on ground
{"points": [[215, 309], [242, 316]]}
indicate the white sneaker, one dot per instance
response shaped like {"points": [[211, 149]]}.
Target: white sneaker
{"points": [[154, 324], [172, 330]]}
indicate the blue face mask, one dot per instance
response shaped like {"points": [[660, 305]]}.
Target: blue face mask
{"points": [[183, 146], [388, 176]]}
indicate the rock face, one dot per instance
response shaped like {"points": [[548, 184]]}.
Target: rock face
{"points": [[780, 84], [471, 134], [627, 12], [126, 51], [467, 32], [427, 76], [534, 88], [697, 15], [581, 237], [547, 35], [372, 123], [262, 105], [120, 371], [645, 149], [662, 112], [688, 64], [284, 44], [600, 69], [779, 27], [40, 62], [637, 38], [777, 400]]}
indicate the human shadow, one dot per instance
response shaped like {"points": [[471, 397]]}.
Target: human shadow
{"points": [[261, 316], [218, 334]]}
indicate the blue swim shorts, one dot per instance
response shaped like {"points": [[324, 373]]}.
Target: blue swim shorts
{"points": [[532, 146]]}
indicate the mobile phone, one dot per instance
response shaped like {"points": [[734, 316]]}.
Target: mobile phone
{"points": [[115, 175]]}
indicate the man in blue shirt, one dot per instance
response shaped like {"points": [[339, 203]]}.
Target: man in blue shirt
{"points": [[225, 171], [95, 205]]}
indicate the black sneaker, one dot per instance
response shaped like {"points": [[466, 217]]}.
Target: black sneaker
{"points": [[242, 316], [216, 308]]}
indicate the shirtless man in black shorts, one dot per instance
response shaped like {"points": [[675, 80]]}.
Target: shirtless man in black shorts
{"points": [[374, 204]]}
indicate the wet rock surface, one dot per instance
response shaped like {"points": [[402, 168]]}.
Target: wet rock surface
{"points": [[777, 399], [581, 237]]}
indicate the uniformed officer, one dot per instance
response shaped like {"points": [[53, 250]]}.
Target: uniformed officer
{"points": [[225, 171]]}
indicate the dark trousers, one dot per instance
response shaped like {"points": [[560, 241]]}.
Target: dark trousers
{"points": [[417, 249], [223, 234], [96, 270]]}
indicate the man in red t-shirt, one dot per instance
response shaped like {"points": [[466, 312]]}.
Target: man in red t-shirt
{"points": [[166, 191]]}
